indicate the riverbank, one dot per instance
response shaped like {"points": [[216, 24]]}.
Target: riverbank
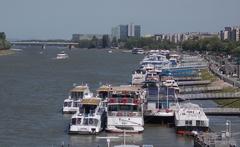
{"points": [[230, 103], [6, 52]]}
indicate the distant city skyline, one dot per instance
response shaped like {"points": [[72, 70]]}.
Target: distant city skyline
{"points": [[59, 19]]}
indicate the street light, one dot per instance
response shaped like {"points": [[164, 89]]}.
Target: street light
{"points": [[228, 128]]}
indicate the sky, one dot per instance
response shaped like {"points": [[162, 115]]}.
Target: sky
{"points": [[59, 19]]}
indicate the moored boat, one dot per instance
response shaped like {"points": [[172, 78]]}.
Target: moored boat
{"points": [[90, 118], [190, 118], [138, 77], [71, 104], [125, 109]]}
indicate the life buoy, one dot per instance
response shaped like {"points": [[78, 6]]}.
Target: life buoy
{"points": [[111, 100], [136, 101], [124, 100]]}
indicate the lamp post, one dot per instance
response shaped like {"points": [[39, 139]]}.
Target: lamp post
{"points": [[158, 97], [228, 129]]}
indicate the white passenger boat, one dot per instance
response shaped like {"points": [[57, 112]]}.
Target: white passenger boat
{"points": [[90, 119], [190, 118], [138, 77], [171, 83], [62, 55], [71, 104], [125, 109], [152, 76]]}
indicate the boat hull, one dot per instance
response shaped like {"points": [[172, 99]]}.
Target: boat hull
{"points": [[188, 130], [84, 130], [127, 129], [159, 119]]}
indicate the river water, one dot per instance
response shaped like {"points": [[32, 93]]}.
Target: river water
{"points": [[34, 85]]}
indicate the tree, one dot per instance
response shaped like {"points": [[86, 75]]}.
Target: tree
{"points": [[4, 44], [114, 42], [93, 42], [2, 36], [105, 41]]}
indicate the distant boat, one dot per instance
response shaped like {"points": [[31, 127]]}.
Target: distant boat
{"points": [[137, 51], [110, 51], [62, 55]]}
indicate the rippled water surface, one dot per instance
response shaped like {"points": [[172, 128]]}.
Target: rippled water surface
{"points": [[34, 85]]}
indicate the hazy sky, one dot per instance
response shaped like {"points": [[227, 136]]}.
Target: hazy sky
{"points": [[45, 19]]}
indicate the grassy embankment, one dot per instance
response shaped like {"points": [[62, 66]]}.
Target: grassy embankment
{"points": [[6, 52], [232, 103], [206, 75]]}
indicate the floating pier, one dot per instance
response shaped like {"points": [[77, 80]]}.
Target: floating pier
{"points": [[190, 83], [208, 96], [222, 111]]}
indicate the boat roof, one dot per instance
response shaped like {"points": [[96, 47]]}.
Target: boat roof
{"points": [[91, 101], [126, 145], [128, 88], [79, 88], [104, 88]]}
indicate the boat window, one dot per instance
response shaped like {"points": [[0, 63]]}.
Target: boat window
{"points": [[76, 95], [103, 94], [76, 104], [198, 123], [112, 108], [73, 121], [65, 104], [78, 121], [136, 108], [188, 122], [125, 107], [85, 121]]}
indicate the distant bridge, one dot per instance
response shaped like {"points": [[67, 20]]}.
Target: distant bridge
{"points": [[41, 43], [44, 43]]}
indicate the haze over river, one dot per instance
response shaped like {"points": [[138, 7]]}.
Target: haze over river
{"points": [[34, 85]]}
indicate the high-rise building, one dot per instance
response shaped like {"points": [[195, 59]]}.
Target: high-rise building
{"points": [[137, 31], [230, 33], [78, 37], [122, 32], [131, 32]]}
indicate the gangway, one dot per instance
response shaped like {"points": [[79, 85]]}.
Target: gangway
{"points": [[199, 89]]}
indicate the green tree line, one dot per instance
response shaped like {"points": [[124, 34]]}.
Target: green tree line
{"points": [[95, 42], [212, 45], [148, 43], [4, 44]]}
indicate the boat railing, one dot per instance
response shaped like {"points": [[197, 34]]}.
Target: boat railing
{"points": [[124, 114], [125, 100]]}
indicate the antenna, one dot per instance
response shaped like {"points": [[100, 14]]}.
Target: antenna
{"points": [[108, 139], [74, 84]]}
